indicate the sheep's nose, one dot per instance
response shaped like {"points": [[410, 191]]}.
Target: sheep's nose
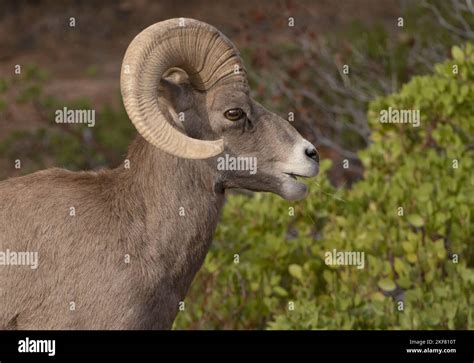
{"points": [[312, 153]]}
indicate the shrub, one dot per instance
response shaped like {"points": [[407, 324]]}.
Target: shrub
{"points": [[418, 260]]}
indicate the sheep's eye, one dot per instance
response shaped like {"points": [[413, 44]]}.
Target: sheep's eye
{"points": [[234, 114]]}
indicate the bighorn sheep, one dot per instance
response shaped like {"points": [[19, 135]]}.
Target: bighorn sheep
{"points": [[127, 256]]}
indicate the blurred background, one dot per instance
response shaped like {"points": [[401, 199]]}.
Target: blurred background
{"points": [[400, 54]]}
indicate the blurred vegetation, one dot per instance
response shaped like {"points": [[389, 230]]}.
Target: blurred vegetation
{"points": [[72, 146], [424, 258]]}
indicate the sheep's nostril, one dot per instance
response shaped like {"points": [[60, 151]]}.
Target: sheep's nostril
{"points": [[312, 153]]}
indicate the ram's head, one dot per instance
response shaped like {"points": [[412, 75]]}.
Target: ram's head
{"points": [[185, 89]]}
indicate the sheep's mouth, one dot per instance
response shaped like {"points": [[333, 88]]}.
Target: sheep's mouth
{"points": [[294, 176]]}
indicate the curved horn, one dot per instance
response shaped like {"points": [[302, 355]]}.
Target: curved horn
{"points": [[204, 53]]}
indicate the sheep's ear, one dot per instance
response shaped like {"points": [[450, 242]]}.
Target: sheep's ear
{"points": [[176, 94], [176, 75], [176, 88]]}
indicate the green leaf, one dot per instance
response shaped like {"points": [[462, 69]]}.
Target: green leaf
{"points": [[440, 249], [280, 291], [408, 247], [378, 296], [404, 282], [415, 220], [457, 53], [399, 266], [387, 285], [412, 257], [254, 286], [296, 271]]}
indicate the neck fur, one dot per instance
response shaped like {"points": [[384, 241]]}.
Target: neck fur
{"points": [[168, 218]]}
